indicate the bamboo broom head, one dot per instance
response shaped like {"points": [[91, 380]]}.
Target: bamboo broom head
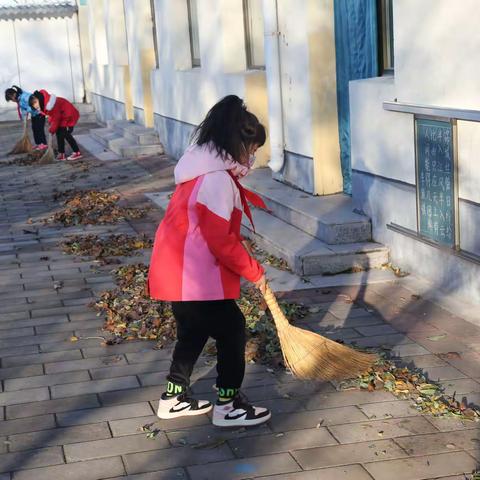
{"points": [[49, 155], [24, 145], [311, 356]]}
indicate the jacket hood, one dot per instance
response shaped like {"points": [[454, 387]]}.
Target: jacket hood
{"points": [[49, 100], [199, 160]]}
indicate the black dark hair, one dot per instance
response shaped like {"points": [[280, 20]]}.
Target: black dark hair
{"points": [[230, 128], [37, 95], [10, 92]]}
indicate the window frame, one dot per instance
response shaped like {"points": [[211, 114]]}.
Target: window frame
{"points": [[196, 61], [386, 37], [251, 65], [154, 29]]}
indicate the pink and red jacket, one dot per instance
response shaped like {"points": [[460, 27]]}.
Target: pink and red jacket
{"points": [[198, 254]]}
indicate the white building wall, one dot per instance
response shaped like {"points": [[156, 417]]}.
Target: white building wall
{"points": [[436, 44], [185, 93], [8, 60], [37, 54], [182, 94], [297, 103], [109, 71]]}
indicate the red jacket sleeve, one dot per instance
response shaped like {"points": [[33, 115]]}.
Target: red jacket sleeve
{"points": [[215, 207], [226, 246], [53, 120]]}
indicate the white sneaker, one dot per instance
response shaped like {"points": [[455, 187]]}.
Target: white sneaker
{"points": [[239, 413], [181, 406]]}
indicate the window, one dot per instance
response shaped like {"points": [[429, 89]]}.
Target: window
{"points": [[154, 26], [193, 28], [385, 35], [254, 36]]}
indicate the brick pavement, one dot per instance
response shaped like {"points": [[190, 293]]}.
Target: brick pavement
{"points": [[73, 410]]}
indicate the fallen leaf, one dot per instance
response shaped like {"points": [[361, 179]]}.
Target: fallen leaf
{"points": [[436, 338], [209, 445], [450, 355]]}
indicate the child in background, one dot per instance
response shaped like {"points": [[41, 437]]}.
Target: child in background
{"points": [[21, 98], [62, 117], [198, 259]]}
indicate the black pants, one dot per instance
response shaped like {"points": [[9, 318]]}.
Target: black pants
{"points": [[196, 322], [65, 133], [38, 127]]}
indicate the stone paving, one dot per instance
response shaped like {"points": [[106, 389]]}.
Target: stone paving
{"points": [[73, 410]]}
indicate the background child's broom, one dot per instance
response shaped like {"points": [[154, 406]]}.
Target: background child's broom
{"points": [[24, 145], [49, 155], [310, 356]]}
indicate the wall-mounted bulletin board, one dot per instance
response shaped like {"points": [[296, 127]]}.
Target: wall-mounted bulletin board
{"points": [[436, 171]]}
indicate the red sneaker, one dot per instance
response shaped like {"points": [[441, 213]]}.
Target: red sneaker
{"points": [[36, 147], [41, 147], [75, 156], [61, 156]]}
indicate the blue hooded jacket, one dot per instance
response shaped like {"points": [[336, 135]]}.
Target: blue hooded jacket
{"points": [[24, 107]]}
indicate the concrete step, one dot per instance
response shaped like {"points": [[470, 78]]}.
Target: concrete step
{"points": [[141, 135], [121, 125], [328, 218], [307, 255], [133, 145], [134, 132], [128, 148], [104, 135], [84, 108], [88, 118]]}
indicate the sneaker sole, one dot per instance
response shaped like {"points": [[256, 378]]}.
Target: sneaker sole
{"points": [[242, 423], [184, 413], [73, 159]]}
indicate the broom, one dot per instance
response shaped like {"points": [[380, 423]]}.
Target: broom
{"points": [[24, 145], [310, 356], [49, 155]]}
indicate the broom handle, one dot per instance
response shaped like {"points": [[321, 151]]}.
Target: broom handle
{"points": [[277, 314]]}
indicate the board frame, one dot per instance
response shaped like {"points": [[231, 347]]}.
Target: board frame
{"points": [[456, 220]]}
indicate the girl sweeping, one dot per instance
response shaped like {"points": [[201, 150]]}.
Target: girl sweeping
{"points": [[21, 98], [62, 117], [198, 259]]}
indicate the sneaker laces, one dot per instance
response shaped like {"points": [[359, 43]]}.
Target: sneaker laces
{"points": [[241, 401], [186, 397]]}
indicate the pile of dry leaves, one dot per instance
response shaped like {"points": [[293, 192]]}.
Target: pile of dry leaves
{"points": [[263, 344], [131, 314], [102, 248], [93, 207], [30, 158], [129, 311], [427, 396], [267, 259]]}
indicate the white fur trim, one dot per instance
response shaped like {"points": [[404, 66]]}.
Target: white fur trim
{"points": [[51, 102]]}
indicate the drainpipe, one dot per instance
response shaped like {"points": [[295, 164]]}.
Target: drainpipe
{"points": [[274, 86]]}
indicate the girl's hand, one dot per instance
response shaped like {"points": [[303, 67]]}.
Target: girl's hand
{"points": [[261, 284]]}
